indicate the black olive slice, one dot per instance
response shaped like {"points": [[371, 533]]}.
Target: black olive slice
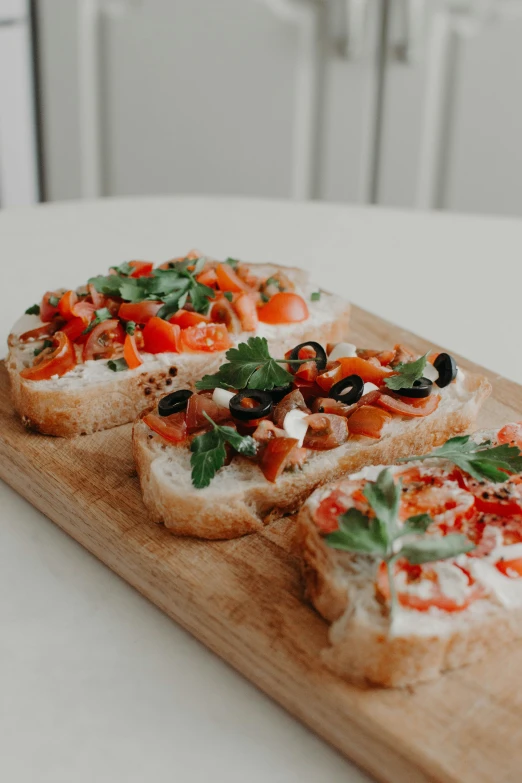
{"points": [[421, 388], [278, 392], [446, 366], [320, 354], [263, 407], [348, 390], [174, 402]]}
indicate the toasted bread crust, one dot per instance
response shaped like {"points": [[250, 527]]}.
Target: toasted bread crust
{"points": [[222, 512], [66, 412]]}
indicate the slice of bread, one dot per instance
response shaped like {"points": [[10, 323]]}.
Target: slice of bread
{"points": [[240, 500], [366, 646], [92, 397]]}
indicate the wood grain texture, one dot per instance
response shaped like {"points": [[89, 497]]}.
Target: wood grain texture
{"points": [[243, 599]]}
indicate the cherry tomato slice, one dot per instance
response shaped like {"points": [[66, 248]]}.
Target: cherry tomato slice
{"points": [[401, 408], [186, 318], [330, 376], [205, 337], [228, 280], [140, 312], [141, 268], [173, 428], [438, 599], [41, 332], [208, 277], [47, 310], [367, 370], [74, 328], [70, 306], [368, 420], [246, 310], [284, 308], [97, 299], [131, 353], [58, 362], [511, 568], [511, 433], [276, 456], [104, 340], [161, 337]]}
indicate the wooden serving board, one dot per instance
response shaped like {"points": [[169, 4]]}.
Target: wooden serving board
{"points": [[243, 599]]}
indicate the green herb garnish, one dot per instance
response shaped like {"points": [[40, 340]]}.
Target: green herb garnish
{"points": [[480, 460], [379, 535], [46, 344], [130, 327], [33, 310], [123, 269], [228, 295], [264, 297], [233, 262], [117, 365], [249, 366], [407, 374], [53, 300], [316, 295], [173, 286], [273, 281], [103, 314], [209, 453]]}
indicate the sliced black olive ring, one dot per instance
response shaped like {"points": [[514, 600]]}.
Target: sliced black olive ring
{"points": [[242, 413], [320, 354], [278, 392], [348, 390], [446, 366], [174, 402], [421, 388]]}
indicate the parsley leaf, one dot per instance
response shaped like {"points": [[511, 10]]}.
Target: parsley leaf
{"points": [[480, 460], [377, 534], [249, 366], [117, 365], [233, 262], [103, 314], [130, 327], [228, 295], [407, 374], [33, 310], [107, 284], [316, 295], [209, 453], [123, 269], [46, 344]]}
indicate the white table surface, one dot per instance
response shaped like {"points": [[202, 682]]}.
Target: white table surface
{"points": [[97, 684]]}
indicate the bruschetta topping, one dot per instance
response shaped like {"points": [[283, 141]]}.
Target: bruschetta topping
{"points": [[268, 398], [437, 529], [188, 305]]}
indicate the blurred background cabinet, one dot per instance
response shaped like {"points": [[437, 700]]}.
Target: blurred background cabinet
{"points": [[411, 103]]}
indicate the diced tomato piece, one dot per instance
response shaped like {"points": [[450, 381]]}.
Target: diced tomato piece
{"points": [[307, 371], [369, 371], [47, 310], [70, 306], [205, 337], [284, 308], [368, 420], [141, 268], [511, 433], [309, 389], [246, 309], [276, 456], [74, 328], [330, 376], [511, 568], [161, 337], [329, 509], [222, 312], [228, 280], [173, 428], [59, 361], [104, 340], [437, 599], [419, 408], [186, 318], [199, 404], [208, 277], [131, 353], [140, 312]]}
